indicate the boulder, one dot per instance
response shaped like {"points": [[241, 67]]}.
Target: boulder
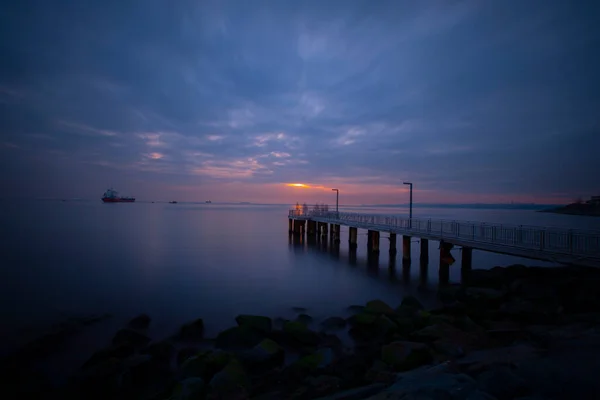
{"points": [[495, 278], [129, 337], [189, 389], [192, 331], [403, 356], [145, 377], [411, 301], [321, 359], [502, 383], [429, 383], [142, 321], [161, 351], [239, 337], [380, 372], [298, 332], [230, 381], [333, 323], [260, 323], [304, 319], [113, 352], [266, 354], [378, 307], [100, 380], [205, 364], [185, 353], [322, 385]]}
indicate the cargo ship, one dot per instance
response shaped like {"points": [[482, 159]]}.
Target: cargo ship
{"points": [[112, 196]]}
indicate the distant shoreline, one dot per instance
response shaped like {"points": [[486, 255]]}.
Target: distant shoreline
{"points": [[586, 210]]}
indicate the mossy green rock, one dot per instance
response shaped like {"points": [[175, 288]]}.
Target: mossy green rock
{"points": [[403, 356], [230, 379], [378, 307], [189, 389], [322, 358], [260, 323], [205, 364], [238, 337], [265, 354], [299, 332]]}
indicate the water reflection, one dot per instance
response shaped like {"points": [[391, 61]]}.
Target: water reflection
{"points": [[371, 260]]}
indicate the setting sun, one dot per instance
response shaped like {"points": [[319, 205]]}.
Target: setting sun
{"points": [[301, 185]]}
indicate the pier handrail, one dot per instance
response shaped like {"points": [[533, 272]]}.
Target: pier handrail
{"points": [[578, 242]]}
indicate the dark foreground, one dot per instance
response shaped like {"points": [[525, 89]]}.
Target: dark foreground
{"points": [[506, 333]]}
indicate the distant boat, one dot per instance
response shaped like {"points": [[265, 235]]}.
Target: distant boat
{"points": [[208, 201], [112, 196], [173, 202]]}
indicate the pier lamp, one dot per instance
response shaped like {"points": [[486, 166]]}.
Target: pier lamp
{"points": [[410, 204], [337, 198]]}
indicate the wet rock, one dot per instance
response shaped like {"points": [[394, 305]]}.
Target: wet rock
{"points": [[380, 372], [98, 381], [322, 385], [361, 319], [334, 323], [411, 301], [429, 383], [483, 294], [161, 351], [378, 307], [357, 393], [356, 308], [145, 377], [403, 356], [189, 389], [260, 323], [494, 278], [205, 364], [502, 356], [300, 333], [141, 322], [113, 352], [266, 354], [185, 353], [304, 319], [321, 359], [449, 293], [130, 337], [239, 337], [502, 383], [193, 331], [231, 382]]}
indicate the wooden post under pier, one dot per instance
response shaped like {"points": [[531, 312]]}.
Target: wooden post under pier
{"points": [[424, 256], [393, 249], [373, 241], [352, 239], [406, 248]]}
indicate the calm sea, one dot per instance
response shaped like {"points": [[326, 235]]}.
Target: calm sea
{"points": [[177, 262]]}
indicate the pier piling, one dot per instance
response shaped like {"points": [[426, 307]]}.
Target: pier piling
{"points": [[373, 241], [393, 249], [424, 256], [406, 248], [352, 238]]}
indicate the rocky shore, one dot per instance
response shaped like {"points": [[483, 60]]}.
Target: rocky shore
{"points": [[505, 333]]}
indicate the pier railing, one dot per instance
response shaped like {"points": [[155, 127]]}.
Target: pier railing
{"points": [[557, 240]]}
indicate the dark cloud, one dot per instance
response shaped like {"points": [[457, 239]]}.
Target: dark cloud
{"points": [[459, 96]]}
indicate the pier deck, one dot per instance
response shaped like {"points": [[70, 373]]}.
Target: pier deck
{"points": [[564, 246]]}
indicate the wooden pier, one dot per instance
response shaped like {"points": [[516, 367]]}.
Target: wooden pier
{"points": [[562, 246]]}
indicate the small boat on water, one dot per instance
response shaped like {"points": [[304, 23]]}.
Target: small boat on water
{"points": [[208, 201], [112, 196], [173, 202]]}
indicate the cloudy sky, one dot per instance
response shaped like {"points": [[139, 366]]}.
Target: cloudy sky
{"points": [[473, 101]]}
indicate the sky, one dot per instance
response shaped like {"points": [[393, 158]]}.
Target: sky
{"points": [[472, 101]]}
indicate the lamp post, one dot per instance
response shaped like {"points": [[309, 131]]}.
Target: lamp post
{"points": [[410, 204], [337, 198]]}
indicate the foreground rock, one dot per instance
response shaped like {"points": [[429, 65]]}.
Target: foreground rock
{"points": [[506, 333]]}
